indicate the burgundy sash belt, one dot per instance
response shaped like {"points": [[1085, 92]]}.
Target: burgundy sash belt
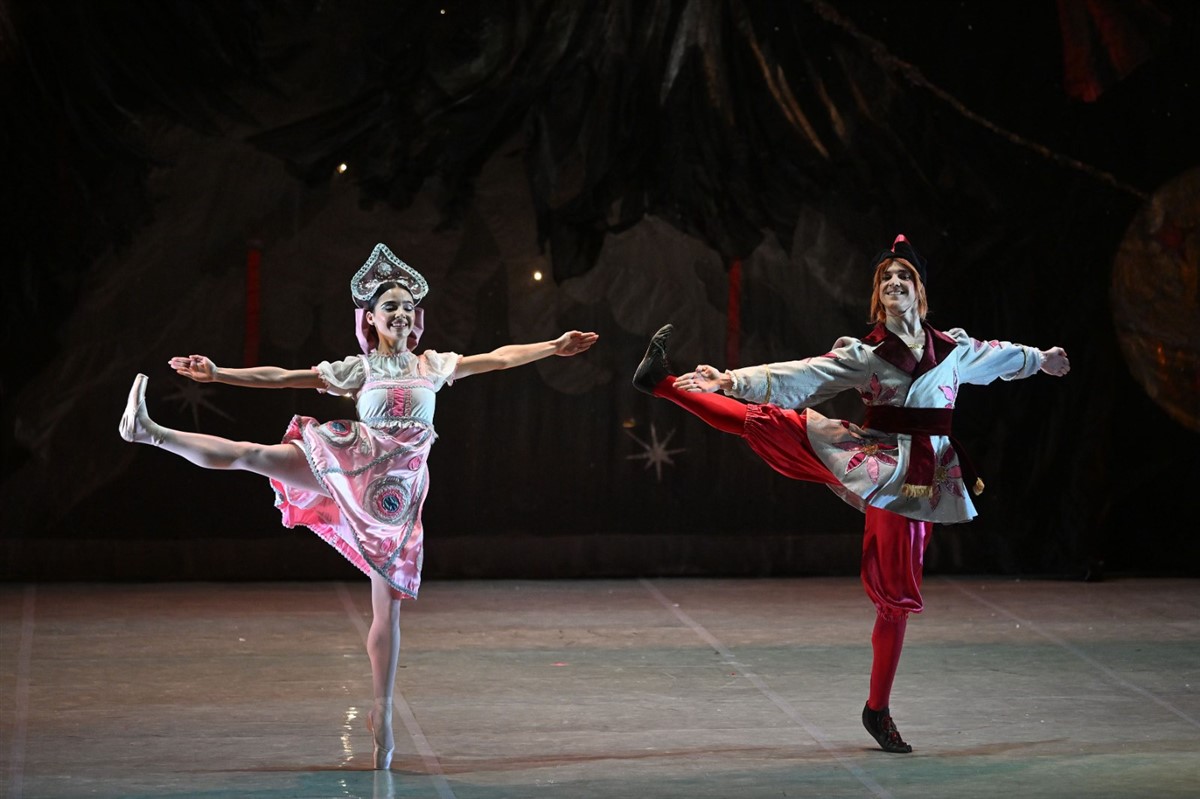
{"points": [[914, 421], [921, 423]]}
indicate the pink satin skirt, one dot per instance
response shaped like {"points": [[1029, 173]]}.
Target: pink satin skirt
{"points": [[377, 479]]}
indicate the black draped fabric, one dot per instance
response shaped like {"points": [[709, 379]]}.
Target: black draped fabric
{"points": [[637, 150]]}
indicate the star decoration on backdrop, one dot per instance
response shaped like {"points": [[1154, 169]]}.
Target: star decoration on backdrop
{"points": [[193, 395], [656, 452]]}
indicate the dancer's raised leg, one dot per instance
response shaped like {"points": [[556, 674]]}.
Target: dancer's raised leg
{"points": [[653, 376], [284, 462], [383, 648]]}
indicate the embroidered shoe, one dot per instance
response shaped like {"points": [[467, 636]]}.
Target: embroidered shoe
{"points": [[654, 368], [879, 723]]}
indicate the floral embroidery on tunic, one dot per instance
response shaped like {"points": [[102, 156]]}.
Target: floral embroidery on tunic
{"points": [[872, 453], [876, 394], [951, 392], [946, 477]]}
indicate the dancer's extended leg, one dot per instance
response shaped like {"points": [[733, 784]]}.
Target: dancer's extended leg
{"points": [[284, 462], [724, 413], [653, 376], [383, 648]]}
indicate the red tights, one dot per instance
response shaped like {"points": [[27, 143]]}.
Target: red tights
{"points": [[887, 640], [726, 414]]}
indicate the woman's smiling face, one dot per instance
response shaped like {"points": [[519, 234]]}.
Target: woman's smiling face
{"points": [[392, 316]]}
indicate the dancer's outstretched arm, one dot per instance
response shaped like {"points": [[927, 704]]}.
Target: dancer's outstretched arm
{"points": [[570, 343], [707, 379], [203, 370]]}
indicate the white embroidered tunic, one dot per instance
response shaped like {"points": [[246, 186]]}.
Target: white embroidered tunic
{"points": [[902, 458]]}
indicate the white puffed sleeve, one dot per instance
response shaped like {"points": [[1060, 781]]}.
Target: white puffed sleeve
{"points": [[438, 367], [342, 378]]}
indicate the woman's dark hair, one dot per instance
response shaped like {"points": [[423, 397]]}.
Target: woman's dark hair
{"points": [[383, 287]]}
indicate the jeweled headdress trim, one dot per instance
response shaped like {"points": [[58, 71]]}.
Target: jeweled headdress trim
{"points": [[381, 267]]}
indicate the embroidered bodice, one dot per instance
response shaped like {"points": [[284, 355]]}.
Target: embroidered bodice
{"points": [[391, 390]]}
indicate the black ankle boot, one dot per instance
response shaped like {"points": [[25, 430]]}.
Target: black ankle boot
{"points": [[653, 369], [879, 723]]}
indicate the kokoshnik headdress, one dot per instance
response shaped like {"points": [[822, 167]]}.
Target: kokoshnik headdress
{"points": [[382, 267]]}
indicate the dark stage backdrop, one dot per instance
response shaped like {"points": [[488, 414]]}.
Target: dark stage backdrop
{"points": [[196, 181]]}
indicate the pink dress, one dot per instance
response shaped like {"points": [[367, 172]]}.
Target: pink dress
{"points": [[374, 469]]}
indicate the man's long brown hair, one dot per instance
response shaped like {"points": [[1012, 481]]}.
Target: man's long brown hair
{"points": [[878, 314]]}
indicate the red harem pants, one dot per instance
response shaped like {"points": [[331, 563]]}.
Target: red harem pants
{"points": [[893, 555]]}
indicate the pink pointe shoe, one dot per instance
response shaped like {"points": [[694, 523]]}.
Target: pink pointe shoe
{"points": [[383, 748], [135, 421]]}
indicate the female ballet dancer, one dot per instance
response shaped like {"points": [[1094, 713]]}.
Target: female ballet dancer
{"points": [[358, 484], [901, 467]]}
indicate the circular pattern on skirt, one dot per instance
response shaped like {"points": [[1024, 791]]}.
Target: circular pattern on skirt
{"points": [[387, 499], [339, 433]]}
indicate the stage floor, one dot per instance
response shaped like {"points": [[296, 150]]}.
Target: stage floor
{"points": [[625, 688]]}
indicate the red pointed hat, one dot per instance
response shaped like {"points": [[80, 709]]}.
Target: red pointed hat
{"points": [[902, 248]]}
